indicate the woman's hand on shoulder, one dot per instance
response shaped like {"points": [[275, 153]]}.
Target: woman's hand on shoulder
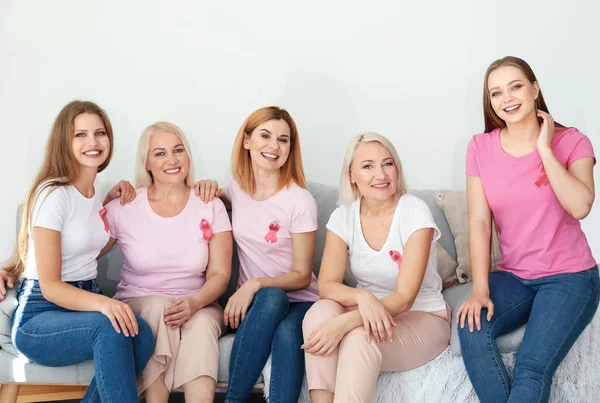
{"points": [[239, 302], [470, 310], [544, 141], [207, 190], [124, 190], [121, 316], [377, 320], [325, 338], [6, 282], [180, 312]]}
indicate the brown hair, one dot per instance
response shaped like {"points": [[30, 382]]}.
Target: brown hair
{"points": [[241, 162], [59, 168], [492, 121]]}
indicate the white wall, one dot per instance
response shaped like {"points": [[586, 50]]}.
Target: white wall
{"points": [[411, 71]]}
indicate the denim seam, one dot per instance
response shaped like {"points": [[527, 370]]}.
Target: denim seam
{"points": [[565, 339], [20, 330], [506, 388]]}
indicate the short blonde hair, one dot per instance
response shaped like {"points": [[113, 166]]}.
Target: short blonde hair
{"points": [[142, 176], [349, 191]]}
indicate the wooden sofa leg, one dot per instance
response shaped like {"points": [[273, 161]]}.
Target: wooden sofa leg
{"points": [[9, 393]]}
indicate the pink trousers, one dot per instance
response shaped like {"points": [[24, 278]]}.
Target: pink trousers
{"points": [[351, 371]]}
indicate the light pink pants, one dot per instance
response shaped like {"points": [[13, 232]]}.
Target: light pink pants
{"points": [[351, 371]]}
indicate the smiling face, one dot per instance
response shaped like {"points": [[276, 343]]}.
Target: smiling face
{"points": [[269, 144], [91, 145], [373, 171], [167, 159], [512, 95]]}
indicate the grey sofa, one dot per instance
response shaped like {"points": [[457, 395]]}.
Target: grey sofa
{"points": [[16, 369]]}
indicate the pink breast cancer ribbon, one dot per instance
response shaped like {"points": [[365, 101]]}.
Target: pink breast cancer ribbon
{"points": [[272, 234], [103, 217], [206, 232], [542, 180], [396, 257]]}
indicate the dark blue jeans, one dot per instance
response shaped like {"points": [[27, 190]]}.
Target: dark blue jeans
{"points": [[272, 324], [556, 309], [50, 335]]}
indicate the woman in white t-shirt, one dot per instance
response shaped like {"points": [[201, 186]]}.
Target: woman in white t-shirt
{"points": [[395, 319], [62, 318]]}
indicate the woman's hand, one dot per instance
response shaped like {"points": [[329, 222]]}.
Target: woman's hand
{"points": [[327, 337], [180, 312], [207, 190], [544, 141], [124, 190], [121, 316], [6, 281], [239, 302], [376, 319], [471, 310]]}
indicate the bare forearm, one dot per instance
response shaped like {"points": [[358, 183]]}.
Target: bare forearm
{"points": [[72, 298], [340, 293], [572, 194], [292, 281], [479, 249], [214, 287]]}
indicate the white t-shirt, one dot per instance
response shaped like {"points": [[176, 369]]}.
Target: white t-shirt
{"points": [[81, 224], [377, 271]]}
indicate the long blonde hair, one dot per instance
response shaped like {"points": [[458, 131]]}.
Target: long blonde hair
{"points": [[60, 168], [143, 178], [241, 162]]}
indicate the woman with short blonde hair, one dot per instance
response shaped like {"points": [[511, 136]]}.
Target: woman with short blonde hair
{"points": [[395, 319]]}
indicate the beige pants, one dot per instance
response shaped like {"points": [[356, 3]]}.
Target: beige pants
{"points": [[351, 371], [182, 354]]}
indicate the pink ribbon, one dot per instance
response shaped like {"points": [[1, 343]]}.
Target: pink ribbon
{"points": [[542, 180], [396, 257], [104, 219], [272, 234], [206, 232]]}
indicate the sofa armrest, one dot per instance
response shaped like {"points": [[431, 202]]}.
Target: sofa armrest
{"points": [[7, 310]]}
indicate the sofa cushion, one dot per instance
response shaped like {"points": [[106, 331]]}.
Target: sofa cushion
{"points": [[454, 297], [454, 205]]}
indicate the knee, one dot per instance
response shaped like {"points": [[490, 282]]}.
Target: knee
{"points": [[321, 311], [271, 301], [356, 342], [145, 337]]}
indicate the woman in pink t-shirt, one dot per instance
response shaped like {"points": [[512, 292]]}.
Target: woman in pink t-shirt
{"points": [[535, 178], [177, 262], [274, 224]]}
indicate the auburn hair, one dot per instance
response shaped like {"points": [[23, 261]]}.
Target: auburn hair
{"points": [[241, 162]]}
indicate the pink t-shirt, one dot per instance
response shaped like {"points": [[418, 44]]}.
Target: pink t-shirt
{"points": [[164, 256], [538, 237], [263, 231]]}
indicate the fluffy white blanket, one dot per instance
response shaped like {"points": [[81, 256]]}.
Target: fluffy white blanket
{"points": [[444, 380]]}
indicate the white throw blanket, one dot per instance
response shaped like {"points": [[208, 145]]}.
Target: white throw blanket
{"points": [[444, 380]]}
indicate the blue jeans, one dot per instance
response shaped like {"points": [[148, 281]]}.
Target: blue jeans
{"points": [[556, 309], [50, 335], [272, 324]]}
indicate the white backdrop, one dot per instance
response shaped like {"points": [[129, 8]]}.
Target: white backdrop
{"points": [[412, 71]]}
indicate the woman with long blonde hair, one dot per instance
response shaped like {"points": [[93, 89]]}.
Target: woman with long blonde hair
{"points": [[62, 318], [274, 224]]}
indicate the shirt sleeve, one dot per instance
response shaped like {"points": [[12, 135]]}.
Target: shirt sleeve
{"points": [[229, 191], [112, 217], [472, 168], [582, 149], [304, 215], [221, 221], [338, 224], [51, 208], [417, 216]]}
